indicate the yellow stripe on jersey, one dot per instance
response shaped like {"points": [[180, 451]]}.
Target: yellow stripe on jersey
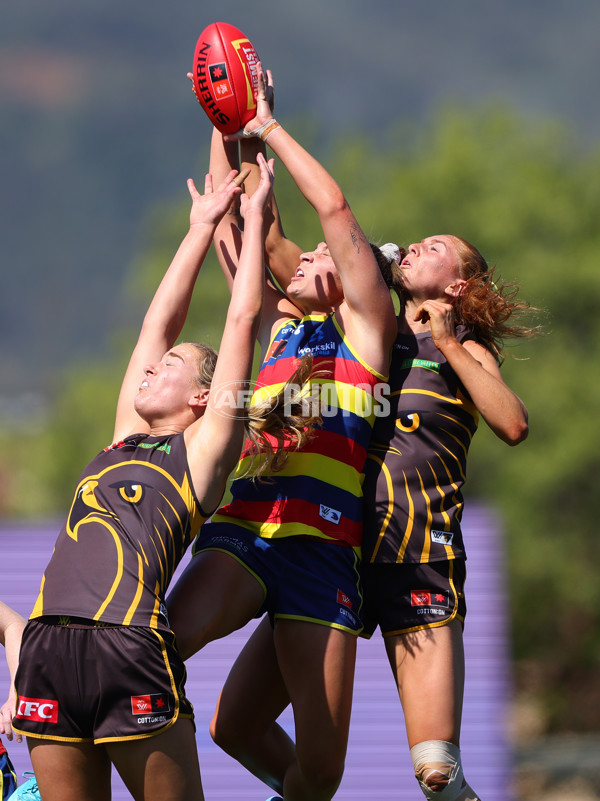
{"points": [[460, 400], [443, 496], [196, 517], [161, 562], [277, 530], [390, 509], [453, 484], [429, 518], [348, 398], [334, 394], [457, 460], [158, 591], [39, 604], [170, 567], [138, 593], [410, 521], [119, 572], [457, 422], [316, 465], [273, 530], [443, 512], [144, 554]]}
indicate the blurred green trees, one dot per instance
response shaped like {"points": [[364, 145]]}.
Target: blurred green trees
{"points": [[527, 196]]}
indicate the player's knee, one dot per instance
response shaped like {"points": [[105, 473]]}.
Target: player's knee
{"points": [[225, 733], [438, 770], [217, 731], [323, 776]]}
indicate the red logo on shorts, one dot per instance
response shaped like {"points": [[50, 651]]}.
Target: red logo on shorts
{"points": [[427, 598], [144, 704], [41, 710], [342, 598]]}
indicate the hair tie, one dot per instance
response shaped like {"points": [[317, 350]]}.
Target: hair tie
{"points": [[390, 251]]}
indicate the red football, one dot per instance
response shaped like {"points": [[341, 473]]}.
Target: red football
{"points": [[224, 76]]}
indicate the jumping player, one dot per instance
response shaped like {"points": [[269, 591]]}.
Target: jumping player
{"points": [[444, 376], [289, 545], [100, 679]]}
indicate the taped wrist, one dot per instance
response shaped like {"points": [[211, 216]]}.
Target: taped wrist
{"points": [[439, 757], [265, 130]]}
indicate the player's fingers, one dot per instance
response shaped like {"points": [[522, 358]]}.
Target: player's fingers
{"points": [[239, 179], [260, 76], [229, 181], [270, 90], [192, 188], [234, 137]]}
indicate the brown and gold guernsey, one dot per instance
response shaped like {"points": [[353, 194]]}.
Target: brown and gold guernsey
{"points": [[132, 518], [417, 459]]}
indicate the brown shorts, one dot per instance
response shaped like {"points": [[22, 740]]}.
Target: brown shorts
{"points": [[400, 598], [81, 682]]}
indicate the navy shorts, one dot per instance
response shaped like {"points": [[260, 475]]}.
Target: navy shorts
{"points": [[86, 683], [8, 777], [400, 598], [304, 578]]}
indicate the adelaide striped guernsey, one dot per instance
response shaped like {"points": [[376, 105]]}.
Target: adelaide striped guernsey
{"points": [[319, 491]]}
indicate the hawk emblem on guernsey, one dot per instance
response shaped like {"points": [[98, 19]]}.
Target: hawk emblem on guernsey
{"points": [[99, 496], [144, 511]]}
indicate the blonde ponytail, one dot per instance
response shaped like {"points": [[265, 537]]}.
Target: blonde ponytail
{"points": [[288, 418]]}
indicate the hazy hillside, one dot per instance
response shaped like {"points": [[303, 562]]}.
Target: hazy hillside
{"points": [[99, 124]]}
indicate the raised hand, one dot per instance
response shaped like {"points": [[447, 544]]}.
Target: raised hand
{"points": [[265, 101], [207, 209], [260, 197], [441, 320], [7, 710]]}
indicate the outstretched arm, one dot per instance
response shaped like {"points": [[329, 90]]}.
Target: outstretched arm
{"points": [[282, 254], [214, 442], [11, 630], [367, 313], [224, 156], [168, 310]]}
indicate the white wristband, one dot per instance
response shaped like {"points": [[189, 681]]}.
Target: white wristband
{"points": [[264, 131]]}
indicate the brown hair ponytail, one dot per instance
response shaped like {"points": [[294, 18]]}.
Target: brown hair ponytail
{"points": [[487, 307]]}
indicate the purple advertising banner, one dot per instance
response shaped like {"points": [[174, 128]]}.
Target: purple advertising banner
{"points": [[378, 764]]}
